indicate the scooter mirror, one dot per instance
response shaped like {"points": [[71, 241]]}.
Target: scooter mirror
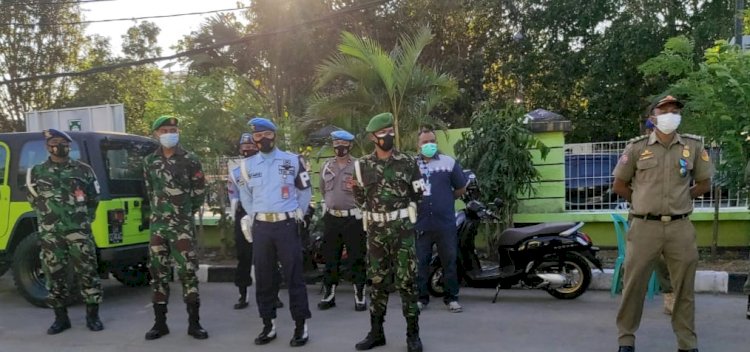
{"points": [[498, 202]]}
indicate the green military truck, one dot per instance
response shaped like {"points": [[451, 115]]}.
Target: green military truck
{"points": [[121, 226]]}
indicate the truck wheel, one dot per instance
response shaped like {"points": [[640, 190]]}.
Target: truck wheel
{"points": [[133, 275], [29, 277]]}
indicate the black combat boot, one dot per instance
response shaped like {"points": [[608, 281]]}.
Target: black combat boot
{"points": [[194, 326], [160, 322], [329, 297], [62, 322], [413, 343], [300, 334], [92, 318], [278, 304], [359, 298], [747, 314], [376, 336], [242, 302], [268, 334]]}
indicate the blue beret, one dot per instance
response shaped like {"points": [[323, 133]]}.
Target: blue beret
{"points": [[52, 133], [246, 138], [342, 135], [260, 124]]}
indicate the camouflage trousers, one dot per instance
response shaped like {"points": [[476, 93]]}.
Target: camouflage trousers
{"points": [[392, 265], [74, 249], [168, 245]]}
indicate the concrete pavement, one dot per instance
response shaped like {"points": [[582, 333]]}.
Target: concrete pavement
{"points": [[521, 321]]}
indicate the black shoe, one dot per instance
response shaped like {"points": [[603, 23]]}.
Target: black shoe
{"points": [[92, 318], [747, 315], [194, 326], [160, 323], [376, 336], [62, 322], [360, 305], [300, 334], [413, 342], [691, 350], [268, 334], [278, 304], [241, 304], [329, 297], [626, 349]]}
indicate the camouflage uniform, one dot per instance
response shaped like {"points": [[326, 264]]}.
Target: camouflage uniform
{"points": [[391, 252], [65, 197], [175, 186]]}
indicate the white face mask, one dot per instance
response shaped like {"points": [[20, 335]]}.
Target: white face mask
{"points": [[169, 140], [668, 123]]}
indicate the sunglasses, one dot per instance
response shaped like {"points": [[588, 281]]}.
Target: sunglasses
{"points": [[385, 133]]}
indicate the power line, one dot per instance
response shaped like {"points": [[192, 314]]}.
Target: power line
{"points": [[15, 3], [190, 52], [41, 24]]}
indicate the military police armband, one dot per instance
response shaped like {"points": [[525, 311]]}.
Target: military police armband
{"points": [[303, 180], [419, 185]]}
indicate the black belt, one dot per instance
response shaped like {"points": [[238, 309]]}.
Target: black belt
{"points": [[662, 218]]}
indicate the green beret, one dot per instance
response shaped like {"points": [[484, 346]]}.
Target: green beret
{"points": [[379, 122], [164, 121]]}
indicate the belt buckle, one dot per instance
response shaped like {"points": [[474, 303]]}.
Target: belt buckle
{"points": [[337, 213], [666, 218]]}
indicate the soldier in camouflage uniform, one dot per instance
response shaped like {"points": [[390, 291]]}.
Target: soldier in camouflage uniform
{"points": [[387, 189], [64, 193], [175, 185]]}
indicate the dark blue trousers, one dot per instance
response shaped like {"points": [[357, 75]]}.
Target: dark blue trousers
{"points": [[273, 243], [447, 246]]}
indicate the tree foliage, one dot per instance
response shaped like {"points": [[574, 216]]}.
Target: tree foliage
{"points": [[367, 80], [497, 149]]}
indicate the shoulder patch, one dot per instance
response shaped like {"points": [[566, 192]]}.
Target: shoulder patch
{"points": [[638, 139], [692, 136]]}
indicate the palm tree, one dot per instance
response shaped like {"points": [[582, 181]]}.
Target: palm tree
{"points": [[361, 80]]}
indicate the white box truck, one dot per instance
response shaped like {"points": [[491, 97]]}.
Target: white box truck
{"points": [[104, 118]]}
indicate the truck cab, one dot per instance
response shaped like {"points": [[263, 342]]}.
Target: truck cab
{"points": [[120, 229]]}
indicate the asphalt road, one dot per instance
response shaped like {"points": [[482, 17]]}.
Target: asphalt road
{"points": [[521, 321]]}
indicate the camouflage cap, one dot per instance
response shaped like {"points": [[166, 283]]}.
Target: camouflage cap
{"points": [[53, 133], [379, 122], [164, 121], [260, 124]]}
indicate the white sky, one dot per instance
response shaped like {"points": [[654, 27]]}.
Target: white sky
{"points": [[172, 29]]}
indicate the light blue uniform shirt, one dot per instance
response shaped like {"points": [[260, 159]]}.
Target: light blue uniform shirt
{"points": [[278, 183], [236, 186]]}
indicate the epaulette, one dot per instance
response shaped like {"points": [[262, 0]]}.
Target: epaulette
{"points": [[692, 136], [637, 139]]}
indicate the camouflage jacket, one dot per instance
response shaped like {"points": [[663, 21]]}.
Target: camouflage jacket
{"points": [[389, 184], [64, 195], [175, 185]]}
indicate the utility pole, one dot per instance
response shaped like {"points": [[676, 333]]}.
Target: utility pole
{"points": [[739, 19]]}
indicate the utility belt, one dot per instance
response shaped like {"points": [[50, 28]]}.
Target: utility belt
{"points": [[662, 218], [346, 213], [409, 212], [276, 217]]}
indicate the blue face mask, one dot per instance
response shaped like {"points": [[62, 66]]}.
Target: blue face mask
{"points": [[169, 140], [429, 149]]}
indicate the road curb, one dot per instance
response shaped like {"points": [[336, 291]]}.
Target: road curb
{"points": [[706, 281]]}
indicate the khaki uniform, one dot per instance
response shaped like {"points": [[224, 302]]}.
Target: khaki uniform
{"points": [[660, 176]]}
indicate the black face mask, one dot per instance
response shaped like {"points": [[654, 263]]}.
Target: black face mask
{"points": [[60, 151], [265, 145], [248, 153], [341, 151], [385, 143]]}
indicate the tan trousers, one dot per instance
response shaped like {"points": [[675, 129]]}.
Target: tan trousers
{"points": [[647, 241]]}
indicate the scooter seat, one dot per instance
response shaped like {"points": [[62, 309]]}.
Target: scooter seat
{"points": [[514, 235]]}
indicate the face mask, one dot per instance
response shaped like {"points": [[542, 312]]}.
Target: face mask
{"points": [[248, 153], [341, 151], [169, 140], [61, 150], [386, 142], [668, 123], [265, 145], [429, 149]]}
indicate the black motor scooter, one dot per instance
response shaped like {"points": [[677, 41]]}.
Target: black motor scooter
{"points": [[553, 257]]}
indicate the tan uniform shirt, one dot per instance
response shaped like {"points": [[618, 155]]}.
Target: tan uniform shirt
{"points": [[661, 175], [334, 184]]}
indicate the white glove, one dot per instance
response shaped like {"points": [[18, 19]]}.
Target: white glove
{"points": [[246, 223]]}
